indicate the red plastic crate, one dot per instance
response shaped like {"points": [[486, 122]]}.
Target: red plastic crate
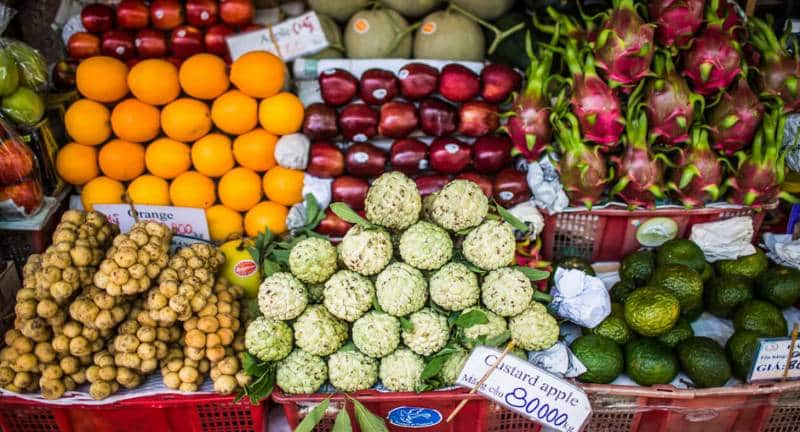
{"points": [[610, 234], [177, 413]]}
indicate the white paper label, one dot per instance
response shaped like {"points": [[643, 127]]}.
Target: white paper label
{"points": [[295, 37], [188, 224], [770, 360], [525, 389]]}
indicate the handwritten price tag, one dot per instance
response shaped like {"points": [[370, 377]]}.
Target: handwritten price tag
{"points": [[525, 389], [293, 38], [185, 222]]}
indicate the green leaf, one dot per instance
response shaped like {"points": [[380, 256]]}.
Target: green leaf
{"points": [[254, 253], [473, 268], [511, 219], [532, 273], [406, 324], [349, 215], [269, 267], [349, 346], [438, 309], [471, 318], [376, 305], [280, 256], [464, 232], [433, 367], [367, 421], [314, 417], [498, 340], [263, 375], [451, 319], [342, 423]]}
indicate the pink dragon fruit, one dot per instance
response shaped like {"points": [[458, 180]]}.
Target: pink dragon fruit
{"points": [[698, 177], [735, 118], [780, 71], [595, 104], [732, 21], [670, 104], [714, 59], [759, 174], [624, 46], [582, 169], [640, 173], [676, 20]]}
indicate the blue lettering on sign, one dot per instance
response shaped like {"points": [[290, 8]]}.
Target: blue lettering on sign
{"points": [[518, 398], [414, 417]]}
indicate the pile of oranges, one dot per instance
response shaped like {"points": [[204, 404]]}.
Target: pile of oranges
{"points": [[195, 136]]}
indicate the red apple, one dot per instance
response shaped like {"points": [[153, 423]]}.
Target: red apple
{"points": [[337, 86], [97, 18], [215, 39], [365, 160], [350, 190], [511, 188], [166, 14], [437, 117], [133, 14], [430, 183], [150, 43], [236, 12], [252, 27], [417, 80], [480, 180], [409, 156], [320, 122], [358, 122], [378, 86], [398, 119], [16, 161], [458, 83], [449, 155], [83, 45], [477, 118], [325, 160], [332, 225], [27, 195], [119, 44], [186, 41], [499, 81], [492, 153], [201, 13]]}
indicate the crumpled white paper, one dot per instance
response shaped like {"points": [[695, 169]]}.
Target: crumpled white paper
{"points": [[291, 151], [559, 360], [529, 214], [548, 193], [726, 239], [321, 189], [580, 298], [782, 249]]}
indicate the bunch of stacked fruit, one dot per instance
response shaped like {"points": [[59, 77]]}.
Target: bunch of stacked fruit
{"points": [[183, 138]]}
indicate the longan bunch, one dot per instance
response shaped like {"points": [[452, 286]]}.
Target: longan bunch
{"points": [[216, 325], [135, 259], [185, 284], [182, 373], [98, 309], [228, 374], [140, 344], [19, 365], [102, 375]]}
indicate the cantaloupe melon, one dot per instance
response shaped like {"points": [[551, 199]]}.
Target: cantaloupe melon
{"points": [[340, 10], [412, 8], [334, 37], [486, 9], [377, 33], [449, 35]]}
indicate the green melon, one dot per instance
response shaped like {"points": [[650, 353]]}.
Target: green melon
{"points": [[412, 8], [340, 10], [373, 33], [486, 9], [334, 36], [449, 35]]}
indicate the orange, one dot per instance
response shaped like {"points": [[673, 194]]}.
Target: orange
{"points": [[102, 78], [167, 158], [149, 190], [212, 156], [101, 190], [121, 160], [284, 185], [265, 214], [281, 114], [136, 121], [186, 119], [235, 113], [203, 76], [255, 150], [240, 189], [88, 122], [192, 189], [258, 74], [77, 163], [154, 81], [223, 223]]}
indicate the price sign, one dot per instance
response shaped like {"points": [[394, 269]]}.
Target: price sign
{"points": [[290, 39], [525, 389], [184, 221], [771, 360]]}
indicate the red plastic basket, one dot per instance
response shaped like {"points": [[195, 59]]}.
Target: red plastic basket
{"points": [[610, 234], [478, 415], [177, 413]]}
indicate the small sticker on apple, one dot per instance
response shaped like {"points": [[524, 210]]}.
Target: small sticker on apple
{"points": [[120, 50], [360, 157], [159, 14], [379, 93], [506, 195], [359, 137], [245, 268], [403, 74], [423, 164], [205, 15], [451, 148], [330, 71]]}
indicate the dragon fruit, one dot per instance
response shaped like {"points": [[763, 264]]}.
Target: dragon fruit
{"points": [[594, 103], [780, 71], [676, 20], [624, 46], [640, 173], [698, 177], [567, 26], [735, 118], [760, 173], [715, 57], [670, 104], [529, 122], [582, 169]]}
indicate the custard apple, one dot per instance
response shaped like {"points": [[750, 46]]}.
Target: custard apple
{"points": [[348, 295], [268, 339], [427, 207], [366, 251], [506, 291], [534, 329], [494, 328], [401, 370], [491, 245], [281, 296], [376, 334], [313, 260], [454, 287], [460, 204], [301, 373], [426, 246], [401, 289], [318, 331], [451, 368], [350, 370], [393, 201], [429, 333]]}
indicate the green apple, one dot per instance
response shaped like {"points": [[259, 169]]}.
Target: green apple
{"points": [[240, 268]]}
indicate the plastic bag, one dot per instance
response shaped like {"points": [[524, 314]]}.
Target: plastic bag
{"points": [[32, 65], [23, 75], [21, 194]]}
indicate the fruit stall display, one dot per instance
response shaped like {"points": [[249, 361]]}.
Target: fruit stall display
{"points": [[195, 136]]}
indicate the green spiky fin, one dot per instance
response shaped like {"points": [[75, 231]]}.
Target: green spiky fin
{"points": [[657, 191], [713, 191], [620, 186], [689, 173]]}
